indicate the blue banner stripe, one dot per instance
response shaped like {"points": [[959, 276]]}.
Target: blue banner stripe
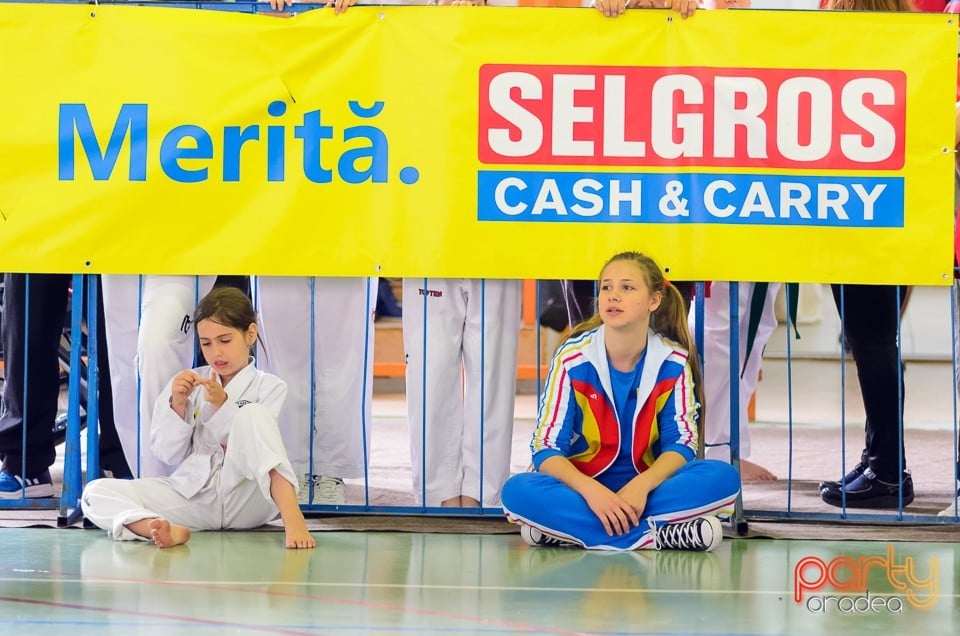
{"points": [[729, 199]]}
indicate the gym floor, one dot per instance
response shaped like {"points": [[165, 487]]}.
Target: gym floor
{"points": [[77, 581]]}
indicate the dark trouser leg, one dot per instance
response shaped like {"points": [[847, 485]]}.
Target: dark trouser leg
{"points": [[48, 306], [870, 327], [578, 295], [686, 290]]}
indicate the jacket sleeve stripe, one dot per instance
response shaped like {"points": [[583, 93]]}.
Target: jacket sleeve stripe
{"points": [[554, 405]]}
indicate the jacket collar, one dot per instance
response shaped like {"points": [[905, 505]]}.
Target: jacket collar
{"points": [[657, 352], [242, 381]]}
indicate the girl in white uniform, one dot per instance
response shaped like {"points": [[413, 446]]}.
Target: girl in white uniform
{"points": [[149, 336], [218, 426], [460, 338]]}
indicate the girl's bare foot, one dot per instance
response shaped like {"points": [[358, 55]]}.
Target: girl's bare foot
{"points": [[294, 525], [452, 502], [468, 502], [298, 537], [753, 472], [166, 534]]}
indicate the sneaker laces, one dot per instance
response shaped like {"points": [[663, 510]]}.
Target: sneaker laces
{"points": [[546, 539], [652, 528], [679, 536], [327, 487], [536, 536]]}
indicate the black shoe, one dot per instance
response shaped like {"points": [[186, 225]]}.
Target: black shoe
{"points": [[846, 479], [114, 464], [867, 491]]}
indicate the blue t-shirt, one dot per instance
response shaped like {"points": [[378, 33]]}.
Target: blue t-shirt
{"points": [[625, 385]]}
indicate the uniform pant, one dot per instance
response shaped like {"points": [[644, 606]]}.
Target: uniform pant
{"points": [[48, 304], [716, 362], [700, 488], [236, 494], [580, 299], [460, 338], [341, 361], [150, 335], [870, 315]]}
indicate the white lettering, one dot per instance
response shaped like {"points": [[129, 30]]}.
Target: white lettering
{"points": [[884, 135], [549, 198], [820, 120], [615, 143], [664, 122], [799, 202], [757, 200], [826, 202], [581, 193], [709, 200], [727, 116], [501, 101], [632, 196], [500, 196], [869, 198], [566, 114]]}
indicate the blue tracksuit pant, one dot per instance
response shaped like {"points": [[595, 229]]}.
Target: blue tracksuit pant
{"points": [[701, 487]]}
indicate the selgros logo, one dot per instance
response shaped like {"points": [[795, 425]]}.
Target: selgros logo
{"points": [[671, 125]]}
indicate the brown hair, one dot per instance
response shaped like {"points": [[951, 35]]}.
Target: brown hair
{"points": [[670, 319], [227, 306], [871, 5]]}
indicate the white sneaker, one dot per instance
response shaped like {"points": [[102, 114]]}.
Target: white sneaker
{"points": [[329, 491], [535, 536], [303, 493], [702, 534]]}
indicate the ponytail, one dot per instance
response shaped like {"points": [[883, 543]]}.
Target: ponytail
{"points": [[670, 320]]}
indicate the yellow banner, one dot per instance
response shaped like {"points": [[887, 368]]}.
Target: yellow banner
{"points": [[477, 142]]}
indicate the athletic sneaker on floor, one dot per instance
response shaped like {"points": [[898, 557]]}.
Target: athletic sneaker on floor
{"points": [[14, 486], [702, 534]]}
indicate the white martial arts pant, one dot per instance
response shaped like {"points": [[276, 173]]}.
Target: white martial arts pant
{"points": [[716, 362], [236, 494], [149, 332], [445, 322], [342, 364]]}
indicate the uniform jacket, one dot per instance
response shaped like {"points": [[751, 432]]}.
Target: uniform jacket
{"points": [[577, 417], [196, 444]]}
